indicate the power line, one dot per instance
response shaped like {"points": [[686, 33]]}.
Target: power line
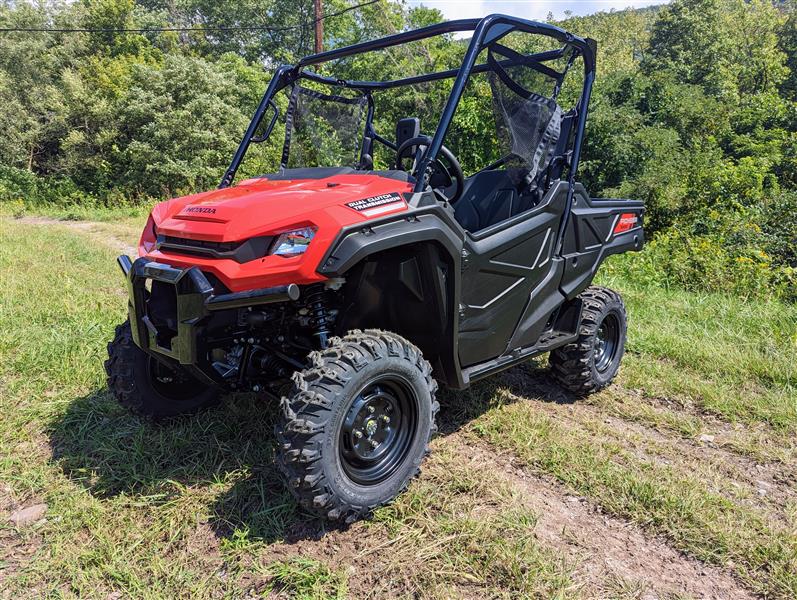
{"points": [[178, 29]]}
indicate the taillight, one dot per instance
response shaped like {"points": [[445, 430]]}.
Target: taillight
{"points": [[626, 222]]}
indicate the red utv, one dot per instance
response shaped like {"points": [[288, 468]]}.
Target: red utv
{"points": [[362, 287]]}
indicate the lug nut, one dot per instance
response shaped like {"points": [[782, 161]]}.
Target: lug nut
{"points": [[374, 443], [251, 340], [358, 434], [385, 419], [371, 409]]}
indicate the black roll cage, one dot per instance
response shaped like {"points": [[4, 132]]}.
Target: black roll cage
{"points": [[486, 33]]}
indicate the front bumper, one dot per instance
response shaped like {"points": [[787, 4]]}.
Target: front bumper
{"points": [[195, 302]]}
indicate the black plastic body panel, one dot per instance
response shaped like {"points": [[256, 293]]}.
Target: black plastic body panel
{"points": [[504, 264], [589, 237], [505, 287], [408, 290], [240, 252], [399, 281], [425, 224]]}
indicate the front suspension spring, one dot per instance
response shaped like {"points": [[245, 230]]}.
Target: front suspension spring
{"points": [[316, 302]]}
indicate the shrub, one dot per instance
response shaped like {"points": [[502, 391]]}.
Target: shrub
{"points": [[779, 228], [708, 263]]}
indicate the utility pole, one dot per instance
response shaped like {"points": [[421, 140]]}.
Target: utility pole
{"points": [[319, 27]]}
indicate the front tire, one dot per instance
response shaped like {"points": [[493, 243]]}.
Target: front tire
{"points": [[148, 387], [591, 362], [356, 424]]}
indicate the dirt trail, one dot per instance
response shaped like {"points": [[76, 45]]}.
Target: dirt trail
{"points": [[767, 485], [609, 552], [611, 557], [94, 229]]}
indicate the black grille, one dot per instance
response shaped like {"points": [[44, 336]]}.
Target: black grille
{"points": [[241, 252], [200, 245]]}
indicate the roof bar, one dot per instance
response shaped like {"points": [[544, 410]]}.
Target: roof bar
{"points": [[391, 40]]}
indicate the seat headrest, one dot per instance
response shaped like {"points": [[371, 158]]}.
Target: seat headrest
{"points": [[407, 129]]}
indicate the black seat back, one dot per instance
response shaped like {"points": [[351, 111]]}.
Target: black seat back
{"points": [[406, 129], [561, 157], [489, 197]]}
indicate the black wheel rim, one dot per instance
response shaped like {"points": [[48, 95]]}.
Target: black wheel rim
{"points": [[378, 430], [607, 340], [174, 384]]}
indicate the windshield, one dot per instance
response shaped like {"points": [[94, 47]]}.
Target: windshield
{"points": [[323, 129]]}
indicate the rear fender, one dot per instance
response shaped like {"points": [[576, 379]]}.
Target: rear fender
{"points": [[597, 228]]}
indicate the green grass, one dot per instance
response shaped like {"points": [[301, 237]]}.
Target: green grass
{"points": [[681, 505], [734, 359], [464, 526], [76, 212], [194, 508], [307, 579]]}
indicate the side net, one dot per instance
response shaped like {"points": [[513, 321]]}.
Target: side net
{"points": [[528, 122]]}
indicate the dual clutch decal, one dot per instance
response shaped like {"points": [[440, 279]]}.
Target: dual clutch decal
{"points": [[376, 205]]}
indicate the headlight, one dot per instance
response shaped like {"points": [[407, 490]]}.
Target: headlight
{"points": [[293, 243]]}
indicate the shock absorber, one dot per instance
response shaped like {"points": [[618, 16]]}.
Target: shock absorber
{"points": [[316, 302]]}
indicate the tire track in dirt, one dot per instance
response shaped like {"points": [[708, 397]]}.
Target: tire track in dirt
{"points": [[757, 441], [92, 228], [768, 486], [610, 557], [609, 552], [416, 556]]}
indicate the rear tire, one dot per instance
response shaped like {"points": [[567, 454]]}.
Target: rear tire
{"points": [[147, 387], [591, 362], [356, 424]]}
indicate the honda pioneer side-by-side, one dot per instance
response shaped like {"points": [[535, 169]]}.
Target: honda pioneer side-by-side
{"points": [[387, 252]]}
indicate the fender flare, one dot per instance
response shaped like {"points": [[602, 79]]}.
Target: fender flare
{"points": [[424, 225], [356, 242]]}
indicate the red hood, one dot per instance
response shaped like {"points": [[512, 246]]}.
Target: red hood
{"points": [[262, 207]]}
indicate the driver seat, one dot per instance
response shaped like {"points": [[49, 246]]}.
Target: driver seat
{"points": [[489, 197]]}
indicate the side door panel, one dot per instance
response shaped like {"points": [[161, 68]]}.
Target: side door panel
{"points": [[502, 266]]}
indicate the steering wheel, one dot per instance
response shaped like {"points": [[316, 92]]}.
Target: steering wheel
{"points": [[443, 176]]}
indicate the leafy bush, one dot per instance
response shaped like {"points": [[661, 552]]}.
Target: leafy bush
{"points": [[729, 256], [779, 228], [20, 186]]}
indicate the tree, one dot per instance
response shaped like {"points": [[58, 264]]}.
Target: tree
{"points": [[729, 47], [787, 43]]}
